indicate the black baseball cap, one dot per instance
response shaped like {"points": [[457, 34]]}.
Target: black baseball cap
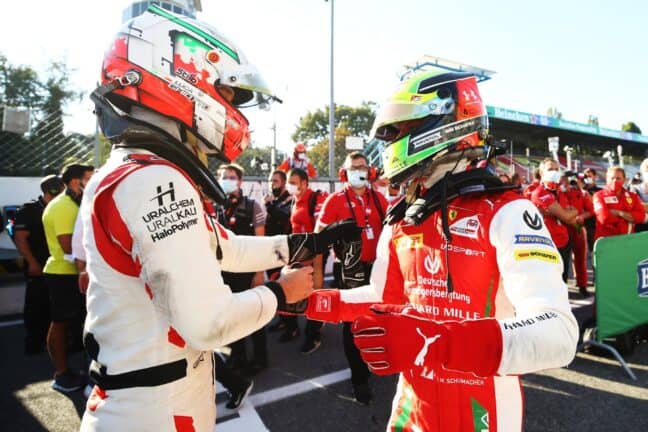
{"points": [[52, 184]]}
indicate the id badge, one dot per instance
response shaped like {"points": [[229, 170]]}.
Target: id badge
{"points": [[370, 235]]}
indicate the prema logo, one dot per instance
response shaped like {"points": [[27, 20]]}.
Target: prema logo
{"points": [[432, 265], [642, 282]]}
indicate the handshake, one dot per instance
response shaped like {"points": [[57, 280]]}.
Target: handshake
{"points": [[297, 281]]}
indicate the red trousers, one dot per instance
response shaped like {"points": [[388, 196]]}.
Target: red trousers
{"points": [[579, 248]]}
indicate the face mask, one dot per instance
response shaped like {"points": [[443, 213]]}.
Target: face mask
{"points": [[357, 178], [291, 188], [588, 181], [301, 156], [228, 185], [551, 177], [563, 188], [276, 191], [616, 186], [644, 175]]}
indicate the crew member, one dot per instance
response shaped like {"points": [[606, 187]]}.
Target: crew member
{"points": [[358, 201], [617, 209]]}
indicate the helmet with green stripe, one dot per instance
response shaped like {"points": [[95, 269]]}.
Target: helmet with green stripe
{"points": [[434, 121]]}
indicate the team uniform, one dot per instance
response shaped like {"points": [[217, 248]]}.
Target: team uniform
{"points": [[582, 202], [36, 311], [505, 273], [292, 162], [157, 304], [608, 224]]}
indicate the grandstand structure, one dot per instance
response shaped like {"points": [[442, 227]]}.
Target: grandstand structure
{"points": [[525, 135]]}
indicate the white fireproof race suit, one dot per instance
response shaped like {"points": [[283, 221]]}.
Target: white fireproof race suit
{"points": [[157, 304]]}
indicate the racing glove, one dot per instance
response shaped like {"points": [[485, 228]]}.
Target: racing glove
{"points": [[396, 338], [302, 247]]}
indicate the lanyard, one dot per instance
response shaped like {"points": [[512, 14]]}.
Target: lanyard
{"points": [[364, 208]]}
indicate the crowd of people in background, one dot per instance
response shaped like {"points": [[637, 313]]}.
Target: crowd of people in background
{"points": [[576, 210]]}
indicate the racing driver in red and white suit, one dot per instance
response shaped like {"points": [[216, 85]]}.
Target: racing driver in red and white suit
{"points": [[157, 304], [466, 291]]}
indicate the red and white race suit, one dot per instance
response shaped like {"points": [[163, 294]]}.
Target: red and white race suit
{"points": [[503, 265], [157, 304]]}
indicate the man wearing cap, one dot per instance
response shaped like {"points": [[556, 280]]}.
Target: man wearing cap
{"points": [[67, 304], [29, 237]]}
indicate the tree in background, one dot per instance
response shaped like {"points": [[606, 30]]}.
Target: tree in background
{"points": [[631, 127], [349, 121], [46, 147]]}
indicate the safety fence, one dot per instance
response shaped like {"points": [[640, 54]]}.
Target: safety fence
{"points": [[44, 149]]}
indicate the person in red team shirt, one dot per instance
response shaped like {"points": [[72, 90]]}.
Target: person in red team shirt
{"points": [[528, 191], [580, 200], [300, 160], [554, 206], [306, 207], [617, 209], [357, 200]]}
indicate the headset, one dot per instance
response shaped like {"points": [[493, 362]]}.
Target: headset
{"points": [[372, 174]]}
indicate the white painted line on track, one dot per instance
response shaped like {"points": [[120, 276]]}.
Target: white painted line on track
{"points": [[290, 390], [248, 419], [11, 323]]}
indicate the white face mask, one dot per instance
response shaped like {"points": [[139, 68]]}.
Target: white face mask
{"points": [[228, 185], [551, 177], [644, 175], [291, 188], [357, 178], [301, 156]]}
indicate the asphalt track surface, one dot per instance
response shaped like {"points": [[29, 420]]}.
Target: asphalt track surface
{"points": [[311, 393]]}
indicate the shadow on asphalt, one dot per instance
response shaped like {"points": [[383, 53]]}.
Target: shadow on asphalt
{"points": [[26, 397]]}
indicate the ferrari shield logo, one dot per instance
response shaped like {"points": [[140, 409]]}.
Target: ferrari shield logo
{"points": [[642, 278]]}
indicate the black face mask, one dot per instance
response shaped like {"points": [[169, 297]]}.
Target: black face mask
{"points": [[276, 192]]}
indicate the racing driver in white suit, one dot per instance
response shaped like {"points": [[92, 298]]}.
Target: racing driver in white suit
{"points": [[157, 305]]}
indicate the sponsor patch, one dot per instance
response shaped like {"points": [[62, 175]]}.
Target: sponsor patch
{"points": [[409, 242], [432, 264], [548, 256], [323, 304], [610, 200], [534, 222], [171, 216], [533, 239], [642, 282], [466, 227]]}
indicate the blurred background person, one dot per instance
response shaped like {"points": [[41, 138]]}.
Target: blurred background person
{"points": [[617, 209], [528, 191], [640, 187], [590, 177], [555, 208], [358, 201], [300, 160], [67, 304], [580, 200], [306, 207], [278, 203], [29, 236], [243, 216], [505, 178]]}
